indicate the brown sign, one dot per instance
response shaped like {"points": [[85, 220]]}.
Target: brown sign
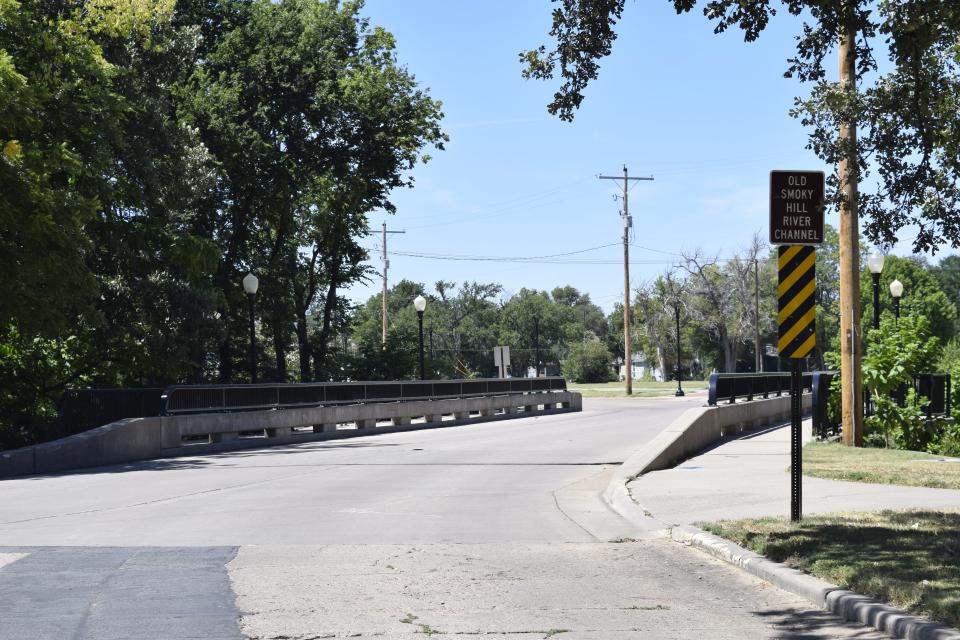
{"points": [[796, 207]]}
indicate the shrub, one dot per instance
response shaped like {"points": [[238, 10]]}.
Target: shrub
{"points": [[588, 362]]}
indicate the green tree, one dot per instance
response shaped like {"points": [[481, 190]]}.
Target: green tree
{"points": [[947, 273], [588, 362], [313, 122], [721, 300], [908, 130], [80, 98]]}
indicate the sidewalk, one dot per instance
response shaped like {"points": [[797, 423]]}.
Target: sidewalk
{"points": [[748, 477]]}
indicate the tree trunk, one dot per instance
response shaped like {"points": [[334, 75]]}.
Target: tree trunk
{"points": [[226, 361], [303, 345], [279, 347], [320, 353], [729, 356]]}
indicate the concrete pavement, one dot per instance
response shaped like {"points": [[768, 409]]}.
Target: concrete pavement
{"points": [[495, 530], [748, 477]]}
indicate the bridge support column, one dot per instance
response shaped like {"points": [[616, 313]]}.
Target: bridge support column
{"points": [[366, 424], [461, 415], [223, 437], [279, 432], [397, 422]]}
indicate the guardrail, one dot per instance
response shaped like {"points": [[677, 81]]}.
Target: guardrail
{"points": [[246, 397], [83, 409], [730, 386], [143, 438]]}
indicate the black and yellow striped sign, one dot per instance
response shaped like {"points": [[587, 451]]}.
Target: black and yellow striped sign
{"points": [[798, 310]]}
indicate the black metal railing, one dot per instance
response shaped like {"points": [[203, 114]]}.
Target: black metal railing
{"points": [[83, 409], [936, 388], [824, 425], [246, 397], [727, 387]]}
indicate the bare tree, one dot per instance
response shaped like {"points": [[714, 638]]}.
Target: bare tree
{"points": [[721, 297]]}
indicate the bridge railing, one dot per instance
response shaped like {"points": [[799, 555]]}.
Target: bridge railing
{"points": [[728, 387], [217, 398], [83, 409]]}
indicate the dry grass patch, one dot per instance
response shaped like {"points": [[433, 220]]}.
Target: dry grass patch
{"points": [[882, 466], [910, 559]]}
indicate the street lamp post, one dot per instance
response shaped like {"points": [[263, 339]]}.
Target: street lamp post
{"points": [[875, 262], [420, 303], [676, 309], [536, 343], [896, 290], [250, 285]]}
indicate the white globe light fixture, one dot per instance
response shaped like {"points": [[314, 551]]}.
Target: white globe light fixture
{"points": [[896, 290], [420, 303], [875, 262], [250, 284]]}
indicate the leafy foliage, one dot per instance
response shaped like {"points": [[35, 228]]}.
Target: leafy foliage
{"points": [[894, 354], [154, 152], [588, 362]]}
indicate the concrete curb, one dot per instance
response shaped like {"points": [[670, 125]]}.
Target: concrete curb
{"points": [[841, 602]]}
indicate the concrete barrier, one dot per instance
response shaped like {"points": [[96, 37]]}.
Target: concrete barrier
{"points": [[691, 433], [149, 438]]}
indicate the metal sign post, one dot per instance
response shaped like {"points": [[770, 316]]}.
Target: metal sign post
{"points": [[796, 219], [796, 446], [797, 322]]}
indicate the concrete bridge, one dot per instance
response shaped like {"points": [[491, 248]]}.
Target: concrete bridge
{"points": [[496, 529]]}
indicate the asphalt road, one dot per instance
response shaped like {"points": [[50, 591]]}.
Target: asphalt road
{"points": [[492, 529]]}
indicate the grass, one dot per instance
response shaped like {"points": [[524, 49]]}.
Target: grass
{"points": [[641, 388], [910, 559], [835, 461]]}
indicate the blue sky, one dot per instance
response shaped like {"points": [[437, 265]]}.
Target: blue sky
{"points": [[706, 115]]}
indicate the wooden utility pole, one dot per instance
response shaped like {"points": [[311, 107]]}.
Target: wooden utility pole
{"points": [[627, 223], [386, 266], [756, 313], [851, 400]]}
